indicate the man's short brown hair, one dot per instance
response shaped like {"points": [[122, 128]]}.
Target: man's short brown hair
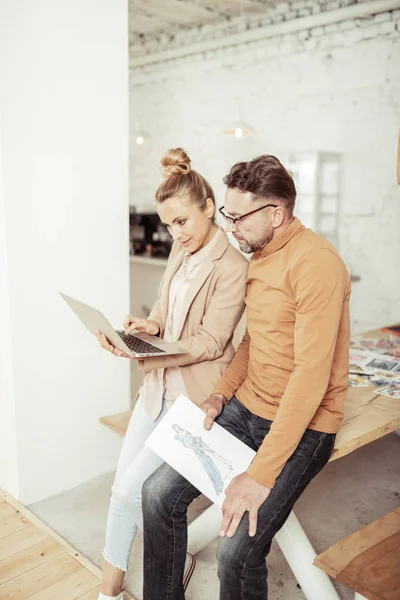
{"points": [[264, 177]]}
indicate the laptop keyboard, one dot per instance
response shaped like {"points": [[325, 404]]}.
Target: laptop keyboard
{"points": [[137, 345]]}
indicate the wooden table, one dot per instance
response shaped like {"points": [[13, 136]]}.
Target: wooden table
{"points": [[368, 416]]}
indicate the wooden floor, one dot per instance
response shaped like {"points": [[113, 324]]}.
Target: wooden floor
{"points": [[36, 563]]}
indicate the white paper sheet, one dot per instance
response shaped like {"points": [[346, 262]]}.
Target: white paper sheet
{"points": [[208, 459]]}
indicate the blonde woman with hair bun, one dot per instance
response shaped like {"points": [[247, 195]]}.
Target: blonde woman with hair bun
{"points": [[201, 300]]}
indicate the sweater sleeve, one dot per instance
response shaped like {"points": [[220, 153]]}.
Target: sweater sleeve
{"points": [[320, 284], [236, 373]]}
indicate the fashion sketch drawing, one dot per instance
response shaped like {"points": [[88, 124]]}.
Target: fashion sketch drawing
{"points": [[217, 467]]}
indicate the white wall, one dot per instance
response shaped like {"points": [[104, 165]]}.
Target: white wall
{"points": [[8, 442], [64, 113], [333, 88]]}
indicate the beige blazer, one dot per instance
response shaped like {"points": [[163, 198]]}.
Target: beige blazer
{"points": [[213, 306]]}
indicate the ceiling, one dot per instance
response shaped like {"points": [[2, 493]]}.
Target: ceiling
{"points": [[150, 18]]}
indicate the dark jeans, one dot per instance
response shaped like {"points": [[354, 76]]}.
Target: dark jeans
{"points": [[242, 568]]}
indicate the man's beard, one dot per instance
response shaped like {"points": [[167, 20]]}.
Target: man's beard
{"points": [[250, 247]]}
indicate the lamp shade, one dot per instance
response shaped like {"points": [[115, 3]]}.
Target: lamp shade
{"points": [[140, 137], [239, 129]]}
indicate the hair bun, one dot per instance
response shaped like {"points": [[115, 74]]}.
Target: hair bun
{"points": [[175, 162]]}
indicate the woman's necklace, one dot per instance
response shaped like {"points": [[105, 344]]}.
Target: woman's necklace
{"points": [[185, 269]]}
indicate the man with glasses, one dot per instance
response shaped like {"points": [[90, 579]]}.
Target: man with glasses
{"points": [[282, 394]]}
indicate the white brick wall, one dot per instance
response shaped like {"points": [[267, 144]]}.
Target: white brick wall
{"points": [[334, 89], [178, 36]]}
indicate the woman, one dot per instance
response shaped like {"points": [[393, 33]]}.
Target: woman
{"points": [[200, 303]]}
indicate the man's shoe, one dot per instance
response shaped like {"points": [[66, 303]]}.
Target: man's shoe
{"points": [[189, 568]]}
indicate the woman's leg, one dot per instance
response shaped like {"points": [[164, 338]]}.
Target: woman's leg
{"points": [[124, 519], [120, 534], [135, 465]]}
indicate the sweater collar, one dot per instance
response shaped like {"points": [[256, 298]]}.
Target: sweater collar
{"points": [[294, 227]]}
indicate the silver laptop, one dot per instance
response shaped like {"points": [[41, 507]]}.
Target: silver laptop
{"points": [[137, 345]]}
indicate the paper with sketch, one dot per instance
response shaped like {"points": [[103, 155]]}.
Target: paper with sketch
{"points": [[208, 459]]}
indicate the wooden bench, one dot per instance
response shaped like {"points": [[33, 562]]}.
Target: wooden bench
{"points": [[118, 422], [368, 561]]}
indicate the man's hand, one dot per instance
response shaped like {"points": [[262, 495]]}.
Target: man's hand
{"points": [[213, 408], [242, 494]]}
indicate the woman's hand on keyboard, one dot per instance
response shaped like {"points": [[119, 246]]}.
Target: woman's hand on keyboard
{"points": [[106, 344], [143, 325]]}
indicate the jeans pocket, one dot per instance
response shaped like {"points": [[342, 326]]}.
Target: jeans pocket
{"points": [[310, 443], [313, 436], [236, 419]]}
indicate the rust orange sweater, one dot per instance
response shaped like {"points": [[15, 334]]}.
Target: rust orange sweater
{"points": [[292, 365]]}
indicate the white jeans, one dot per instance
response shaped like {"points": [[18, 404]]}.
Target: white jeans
{"points": [[136, 463]]}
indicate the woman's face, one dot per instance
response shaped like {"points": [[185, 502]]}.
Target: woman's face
{"points": [[191, 227]]}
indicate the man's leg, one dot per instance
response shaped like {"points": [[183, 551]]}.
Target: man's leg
{"points": [[166, 496], [241, 559]]}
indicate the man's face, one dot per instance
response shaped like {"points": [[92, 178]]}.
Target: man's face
{"points": [[255, 231]]}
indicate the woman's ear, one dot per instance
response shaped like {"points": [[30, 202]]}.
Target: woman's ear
{"points": [[210, 208]]}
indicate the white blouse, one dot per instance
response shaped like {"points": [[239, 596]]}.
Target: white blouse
{"points": [[173, 380], [169, 382]]}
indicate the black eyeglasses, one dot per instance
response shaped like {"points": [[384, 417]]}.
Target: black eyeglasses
{"points": [[234, 220]]}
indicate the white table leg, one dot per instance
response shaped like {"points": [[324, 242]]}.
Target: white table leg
{"points": [[205, 529], [299, 553]]}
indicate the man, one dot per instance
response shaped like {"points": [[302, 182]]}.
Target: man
{"points": [[282, 394]]}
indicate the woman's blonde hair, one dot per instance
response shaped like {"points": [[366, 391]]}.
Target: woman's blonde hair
{"points": [[181, 180]]}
